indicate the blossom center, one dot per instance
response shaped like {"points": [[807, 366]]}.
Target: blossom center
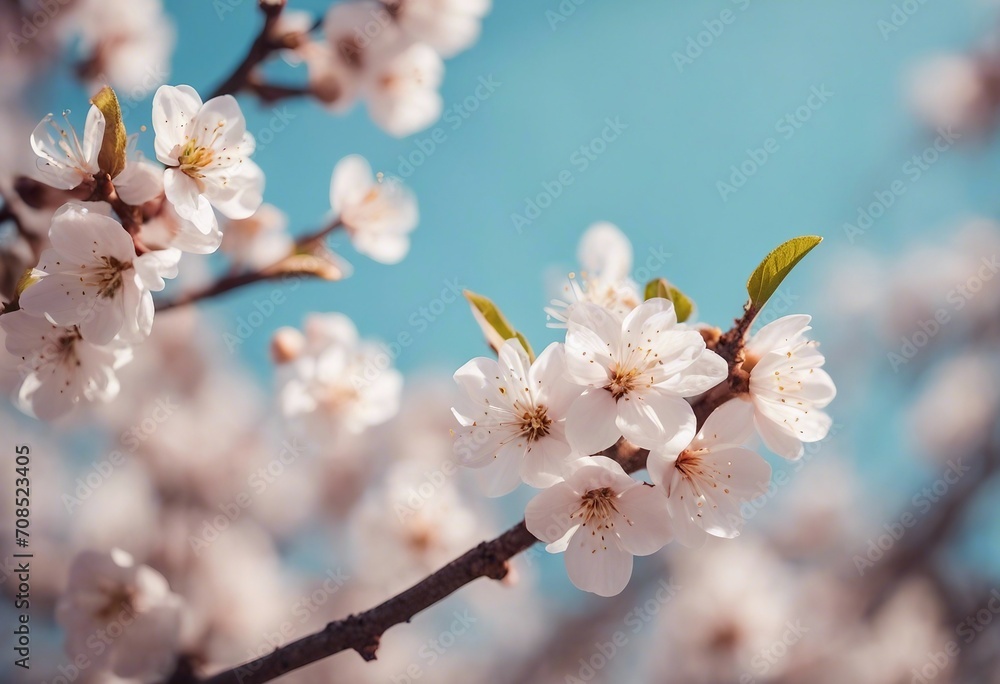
{"points": [[689, 464], [535, 423], [118, 600], [194, 157], [597, 504], [623, 381], [110, 279]]}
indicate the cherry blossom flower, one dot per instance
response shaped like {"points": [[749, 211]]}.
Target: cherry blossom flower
{"points": [[338, 381], [129, 607], [788, 387], [638, 370], [64, 161], [207, 149], [605, 255], [259, 241], [601, 518], [378, 213], [707, 481], [515, 415], [92, 278], [448, 26], [400, 88], [59, 368]]}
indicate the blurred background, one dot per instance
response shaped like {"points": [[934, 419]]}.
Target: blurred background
{"points": [[708, 132]]}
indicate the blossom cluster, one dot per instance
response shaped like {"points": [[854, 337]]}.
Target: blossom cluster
{"points": [[386, 54], [125, 222], [631, 371]]}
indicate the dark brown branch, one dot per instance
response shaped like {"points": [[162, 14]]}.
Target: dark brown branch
{"points": [[261, 48]]}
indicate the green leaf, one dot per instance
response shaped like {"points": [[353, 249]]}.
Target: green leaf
{"points": [[493, 323], [659, 287], [779, 263], [111, 158]]}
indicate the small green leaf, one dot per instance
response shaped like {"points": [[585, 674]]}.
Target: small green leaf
{"points": [[772, 270], [111, 158], [493, 323], [683, 306]]}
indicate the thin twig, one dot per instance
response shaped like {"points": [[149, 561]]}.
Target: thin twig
{"points": [[238, 280], [261, 48]]}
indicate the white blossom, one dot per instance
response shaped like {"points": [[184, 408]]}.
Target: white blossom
{"points": [[378, 213], [129, 608], [92, 278], [605, 257], [707, 481], [638, 371], [401, 88], [58, 367], [207, 149], [338, 381], [788, 387], [601, 518], [449, 26], [64, 160], [515, 416]]}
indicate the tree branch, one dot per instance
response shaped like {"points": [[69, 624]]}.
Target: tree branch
{"points": [[232, 282], [261, 48]]}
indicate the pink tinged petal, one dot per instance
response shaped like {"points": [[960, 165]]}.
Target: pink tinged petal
{"points": [[220, 125], [174, 108], [777, 438], [547, 379], [480, 379], [605, 252], [402, 114], [139, 183], [182, 192], [351, 181], [514, 371], [652, 316], [48, 396], [778, 334], [593, 341], [243, 193], [60, 298], [503, 475], [138, 308], [93, 137], [546, 461], [476, 446], [707, 371], [152, 267], [655, 420], [598, 565], [644, 524], [86, 236], [682, 504], [383, 248], [731, 423], [591, 422], [104, 317], [549, 515]]}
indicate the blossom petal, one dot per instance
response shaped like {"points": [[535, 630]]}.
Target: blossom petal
{"points": [[590, 423]]}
